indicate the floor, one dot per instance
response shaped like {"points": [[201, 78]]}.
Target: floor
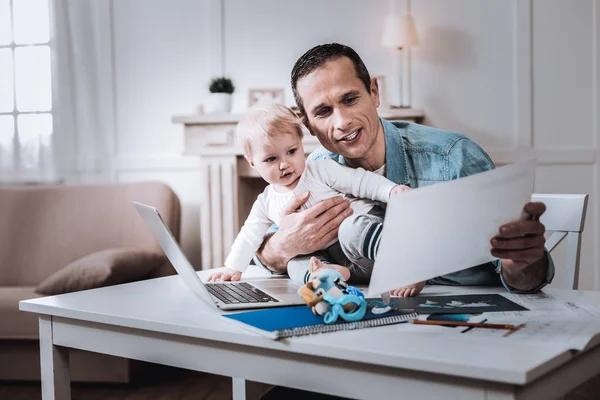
{"points": [[165, 384], [177, 384]]}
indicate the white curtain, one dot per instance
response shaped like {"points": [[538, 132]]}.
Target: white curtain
{"points": [[84, 101]]}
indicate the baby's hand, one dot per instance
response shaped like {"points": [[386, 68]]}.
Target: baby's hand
{"points": [[408, 291], [316, 265], [399, 189], [227, 274]]}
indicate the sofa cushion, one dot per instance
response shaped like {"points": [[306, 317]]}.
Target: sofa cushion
{"points": [[102, 268], [15, 324]]}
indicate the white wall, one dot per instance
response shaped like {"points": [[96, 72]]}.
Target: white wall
{"points": [[264, 38], [462, 71], [160, 69], [566, 110], [520, 77]]}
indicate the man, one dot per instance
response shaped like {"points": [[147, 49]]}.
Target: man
{"points": [[338, 101]]}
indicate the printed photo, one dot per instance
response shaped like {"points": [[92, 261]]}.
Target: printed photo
{"points": [[265, 96]]}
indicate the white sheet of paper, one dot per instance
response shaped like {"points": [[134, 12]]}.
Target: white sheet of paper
{"points": [[443, 228]]}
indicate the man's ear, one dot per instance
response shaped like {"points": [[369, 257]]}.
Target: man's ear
{"points": [[307, 124], [249, 161], [374, 91]]}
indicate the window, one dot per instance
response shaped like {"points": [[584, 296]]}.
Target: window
{"points": [[25, 88]]}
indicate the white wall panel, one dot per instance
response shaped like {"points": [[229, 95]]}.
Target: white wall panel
{"points": [[161, 69], [463, 69], [563, 69]]}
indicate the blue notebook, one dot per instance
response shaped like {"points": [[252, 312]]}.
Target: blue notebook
{"points": [[284, 322]]}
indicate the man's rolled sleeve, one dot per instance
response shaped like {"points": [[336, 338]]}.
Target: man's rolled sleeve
{"points": [[549, 277]]}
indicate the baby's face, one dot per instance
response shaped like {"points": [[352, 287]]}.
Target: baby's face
{"points": [[279, 159]]}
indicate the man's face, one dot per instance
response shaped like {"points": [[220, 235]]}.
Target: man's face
{"points": [[339, 109]]}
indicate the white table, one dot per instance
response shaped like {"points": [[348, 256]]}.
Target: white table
{"points": [[160, 321]]}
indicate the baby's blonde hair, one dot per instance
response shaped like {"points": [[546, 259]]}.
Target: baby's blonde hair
{"points": [[267, 120]]}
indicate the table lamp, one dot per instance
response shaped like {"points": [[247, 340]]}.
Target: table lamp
{"points": [[399, 32]]}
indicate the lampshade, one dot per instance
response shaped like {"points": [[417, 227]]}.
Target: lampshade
{"points": [[399, 32]]}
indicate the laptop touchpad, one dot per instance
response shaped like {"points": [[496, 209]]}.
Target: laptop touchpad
{"points": [[277, 286]]}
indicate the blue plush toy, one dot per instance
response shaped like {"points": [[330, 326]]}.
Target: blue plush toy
{"points": [[328, 295]]}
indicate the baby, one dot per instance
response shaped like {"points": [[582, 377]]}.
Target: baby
{"points": [[272, 139]]}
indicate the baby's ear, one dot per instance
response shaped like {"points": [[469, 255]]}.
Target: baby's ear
{"points": [[249, 161]]}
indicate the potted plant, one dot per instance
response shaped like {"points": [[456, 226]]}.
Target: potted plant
{"points": [[220, 89]]}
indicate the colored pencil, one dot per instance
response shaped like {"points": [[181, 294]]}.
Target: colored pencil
{"points": [[470, 324], [470, 327]]}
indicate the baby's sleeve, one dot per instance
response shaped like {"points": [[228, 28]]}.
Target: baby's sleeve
{"points": [[358, 182], [250, 237]]}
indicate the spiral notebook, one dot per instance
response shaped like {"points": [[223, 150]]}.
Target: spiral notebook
{"points": [[285, 322]]}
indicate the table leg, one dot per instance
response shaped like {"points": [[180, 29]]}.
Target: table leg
{"points": [[54, 360], [248, 390], [498, 394]]}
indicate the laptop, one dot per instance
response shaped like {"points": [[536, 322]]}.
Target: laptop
{"points": [[257, 293]]}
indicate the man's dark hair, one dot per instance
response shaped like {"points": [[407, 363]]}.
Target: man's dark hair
{"points": [[317, 57]]}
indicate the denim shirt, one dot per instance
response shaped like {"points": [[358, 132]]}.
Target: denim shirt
{"points": [[417, 156]]}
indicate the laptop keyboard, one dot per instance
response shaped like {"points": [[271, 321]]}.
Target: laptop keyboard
{"points": [[236, 293]]}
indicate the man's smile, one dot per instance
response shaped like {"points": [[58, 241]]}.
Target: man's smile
{"points": [[351, 136]]}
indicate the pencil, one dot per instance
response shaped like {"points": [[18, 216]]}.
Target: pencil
{"points": [[470, 327], [470, 324]]}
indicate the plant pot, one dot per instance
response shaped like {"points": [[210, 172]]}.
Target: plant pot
{"points": [[219, 103]]}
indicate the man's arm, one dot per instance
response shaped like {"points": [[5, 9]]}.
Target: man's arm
{"points": [[528, 278], [303, 232], [268, 255]]}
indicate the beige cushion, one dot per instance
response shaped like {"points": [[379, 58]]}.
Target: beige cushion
{"points": [[15, 324], [103, 268]]}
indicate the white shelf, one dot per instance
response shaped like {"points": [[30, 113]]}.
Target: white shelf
{"points": [[217, 119]]}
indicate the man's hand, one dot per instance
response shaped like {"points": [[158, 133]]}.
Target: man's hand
{"points": [[228, 274], [520, 247], [303, 232]]}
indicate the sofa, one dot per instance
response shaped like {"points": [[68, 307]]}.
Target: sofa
{"points": [[45, 228]]}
